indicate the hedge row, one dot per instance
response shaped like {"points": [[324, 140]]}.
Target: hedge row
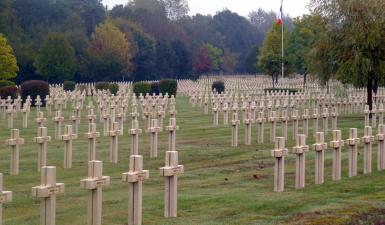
{"points": [[112, 87], [34, 88], [219, 86], [163, 86]]}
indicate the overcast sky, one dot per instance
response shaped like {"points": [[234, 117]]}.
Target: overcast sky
{"points": [[243, 7]]}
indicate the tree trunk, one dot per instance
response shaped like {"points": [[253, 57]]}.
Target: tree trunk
{"points": [[304, 80], [272, 79], [369, 90], [375, 87]]}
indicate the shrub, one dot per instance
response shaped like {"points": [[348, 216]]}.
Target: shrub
{"points": [[7, 83], [69, 85], [81, 87], [141, 87], [154, 88], [114, 88], [8, 91], [168, 86], [219, 86], [34, 88], [102, 86], [290, 90]]}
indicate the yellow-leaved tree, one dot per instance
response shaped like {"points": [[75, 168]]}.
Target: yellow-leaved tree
{"points": [[8, 64]]}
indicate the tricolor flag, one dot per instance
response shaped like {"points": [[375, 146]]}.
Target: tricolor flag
{"points": [[280, 15]]}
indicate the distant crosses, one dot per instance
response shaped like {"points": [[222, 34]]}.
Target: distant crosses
{"points": [[154, 129], [47, 192], [367, 139], [134, 132], [14, 142], [284, 121], [134, 177], [94, 184], [352, 142], [106, 121], [300, 161], [380, 137], [279, 154], [58, 119], [114, 134], [295, 117], [25, 111], [42, 140], [75, 124], [10, 115], [273, 122], [319, 147], [261, 121], [334, 115], [336, 144], [367, 114], [234, 129], [315, 121], [171, 128], [247, 121], [305, 118], [215, 114], [5, 197], [325, 120], [40, 120], [92, 134], [68, 138], [171, 171]]}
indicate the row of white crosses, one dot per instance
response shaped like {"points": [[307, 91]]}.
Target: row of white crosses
{"points": [[48, 189], [320, 146], [273, 119]]}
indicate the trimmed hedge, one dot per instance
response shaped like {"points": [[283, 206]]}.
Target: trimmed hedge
{"points": [[219, 86], [141, 87], [113, 88], [290, 90], [7, 83], [154, 88], [168, 86], [102, 86], [8, 91], [69, 85], [34, 88]]}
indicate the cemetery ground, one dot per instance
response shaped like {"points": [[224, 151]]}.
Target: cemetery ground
{"points": [[221, 184]]}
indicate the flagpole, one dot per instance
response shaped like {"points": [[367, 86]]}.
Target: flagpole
{"points": [[283, 65]]}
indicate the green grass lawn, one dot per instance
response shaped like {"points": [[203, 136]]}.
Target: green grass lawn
{"points": [[221, 184]]}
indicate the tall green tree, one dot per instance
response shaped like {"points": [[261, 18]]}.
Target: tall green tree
{"points": [[270, 58], [308, 29], [250, 63], [8, 64], [56, 59], [109, 54], [216, 57], [356, 34]]}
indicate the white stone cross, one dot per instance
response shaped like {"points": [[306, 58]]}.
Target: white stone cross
{"points": [[135, 177], [42, 140], [279, 154], [352, 142], [171, 171], [5, 197], [300, 162], [319, 147], [47, 192], [91, 135], [336, 145], [367, 139], [68, 138], [14, 142], [94, 184]]}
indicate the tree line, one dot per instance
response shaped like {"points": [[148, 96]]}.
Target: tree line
{"points": [[58, 40]]}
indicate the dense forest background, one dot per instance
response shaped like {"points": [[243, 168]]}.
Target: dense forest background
{"points": [[81, 40]]}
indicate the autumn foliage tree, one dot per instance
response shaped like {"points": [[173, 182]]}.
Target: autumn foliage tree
{"points": [[109, 53], [202, 63], [8, 65]]}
